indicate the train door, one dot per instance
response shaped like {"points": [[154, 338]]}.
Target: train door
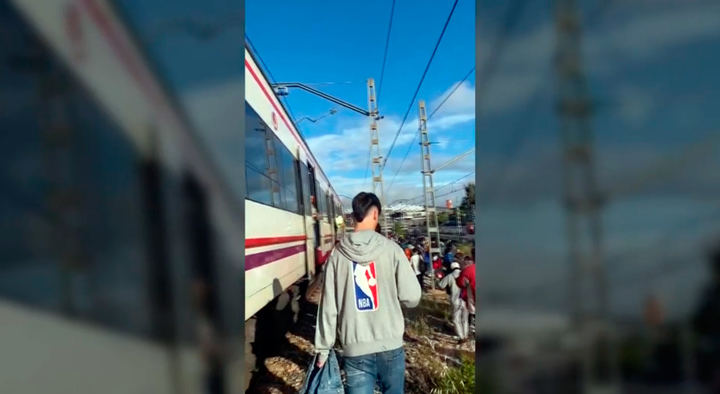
{"points": [[331, 214], [306, 209], [204, 281], [316, 215]]}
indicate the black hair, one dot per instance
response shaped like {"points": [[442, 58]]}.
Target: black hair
{"points": [[362, 203]]}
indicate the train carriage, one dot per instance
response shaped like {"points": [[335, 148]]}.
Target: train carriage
{"points": [[291, 207]]}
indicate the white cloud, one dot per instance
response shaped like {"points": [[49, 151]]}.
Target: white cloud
{"points": [[641, 36], [462, 100], [448, 121], [347, 149], [648, 35], [635, 104]]}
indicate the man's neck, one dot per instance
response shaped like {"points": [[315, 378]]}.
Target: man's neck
{"points": [[361, 227]]}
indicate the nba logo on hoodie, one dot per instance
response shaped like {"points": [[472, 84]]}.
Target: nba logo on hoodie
{"points": [[366, 291]]}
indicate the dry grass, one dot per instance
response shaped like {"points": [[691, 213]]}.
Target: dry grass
{"points": [[435, 362]]}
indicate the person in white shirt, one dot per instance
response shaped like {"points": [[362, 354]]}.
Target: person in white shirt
{"points": [[415, 260], [459, 309]]}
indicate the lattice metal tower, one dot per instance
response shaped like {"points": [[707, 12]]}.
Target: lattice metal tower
{"points": [[431, 220], [588, 290], [375, 157]]}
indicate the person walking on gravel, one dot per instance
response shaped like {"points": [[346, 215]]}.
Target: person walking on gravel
{"points": [[457, 304], [366, 280]]}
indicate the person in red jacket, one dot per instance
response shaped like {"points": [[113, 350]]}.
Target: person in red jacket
{"points": [[466, 281]]}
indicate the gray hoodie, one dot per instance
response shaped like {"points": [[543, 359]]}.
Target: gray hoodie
{"points": [[367, 278]]}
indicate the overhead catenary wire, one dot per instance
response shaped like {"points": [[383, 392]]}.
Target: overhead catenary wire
{"points": [[262, 62], [385, 52], [455, 181], [472, 69], [407, 152], [446, 185], [511, 17], [270, 74], [419, 85]]}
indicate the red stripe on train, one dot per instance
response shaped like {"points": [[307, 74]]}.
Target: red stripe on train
{"points": [[256, 242]]}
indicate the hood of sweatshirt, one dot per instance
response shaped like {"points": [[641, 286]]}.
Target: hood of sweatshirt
{"points": [[362, 247]]}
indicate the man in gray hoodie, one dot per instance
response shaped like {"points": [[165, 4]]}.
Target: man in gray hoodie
{"points": [[367, 278]]}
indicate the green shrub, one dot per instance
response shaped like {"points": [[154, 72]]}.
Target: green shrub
{"points": [[458, 380]]}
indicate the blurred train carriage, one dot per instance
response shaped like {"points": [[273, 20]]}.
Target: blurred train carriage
{"points": [[123, 196]]}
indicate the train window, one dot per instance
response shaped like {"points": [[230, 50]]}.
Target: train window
{"points": [[298, 184], [305, 175], [73, 238], [269, 166], [259, 184], [331, 212], [321, 202], [287, 178]]}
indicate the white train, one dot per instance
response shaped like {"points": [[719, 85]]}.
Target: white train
{"points": [[291, 210]]}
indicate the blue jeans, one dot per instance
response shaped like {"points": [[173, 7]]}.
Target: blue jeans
{"points": [[387, 369]]}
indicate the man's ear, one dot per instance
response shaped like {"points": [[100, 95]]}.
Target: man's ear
{"points": [[375, 214]]}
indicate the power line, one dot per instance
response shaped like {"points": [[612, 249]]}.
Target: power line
{"points": [[510, 20], [262, 62], [451, 92], [417, 90], [407, 152], [446, 185], [272, 78], [387, 44], [456, 181]]}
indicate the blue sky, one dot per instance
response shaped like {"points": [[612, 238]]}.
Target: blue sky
{"points": [[336, 46]]}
